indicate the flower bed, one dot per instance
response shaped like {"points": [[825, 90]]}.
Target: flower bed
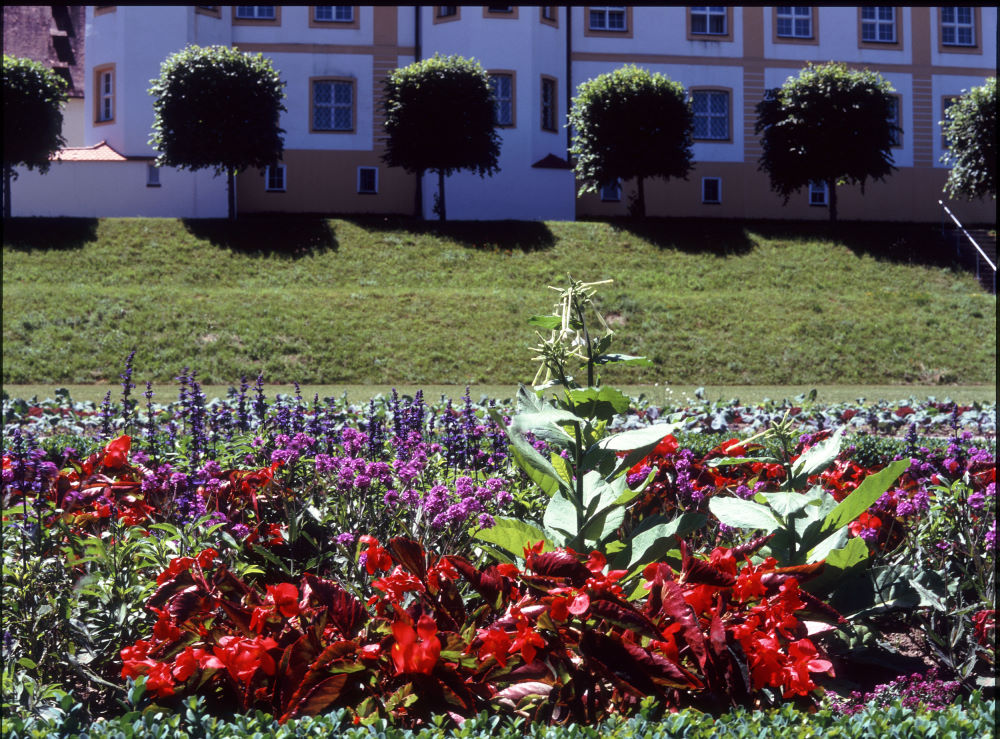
{"points": [[568, 561]]}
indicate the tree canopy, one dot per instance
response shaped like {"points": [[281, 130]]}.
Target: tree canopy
{"points": [[216, 107], [830, 124], [439, 116], [33, 97], [970, 128], [629, 124]]}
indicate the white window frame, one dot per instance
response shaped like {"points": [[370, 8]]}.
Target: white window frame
{"points": [[336, 13], [873, 23], [794, 15], [333, 105], [956, 26], [611, 192], [256, 12], [709, 116], [818, 194], [275, 178], [706, 13], [152, 175], [363, 191], [106, 93], [603, 14], [502, 120], [718, 185]]}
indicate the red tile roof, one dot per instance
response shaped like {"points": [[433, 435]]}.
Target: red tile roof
{"points": [[97, 153]]}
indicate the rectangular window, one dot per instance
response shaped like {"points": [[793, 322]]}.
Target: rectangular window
{"points": [[447, 11], [607, 18], [333, 105], [958, 27], [152, 175], [274, 178], [255, 12], [895, 120], [368, 180], [500, 9], [548, 104], [711, 190], [709, 20], [503, 92], [611, 192], [878, 24], [549, 14], [817, 193], [334, 13], [711, 114], [104, 84], [794, 21]]}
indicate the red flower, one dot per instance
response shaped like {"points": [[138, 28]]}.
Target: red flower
{"points": [[376, 557], [285, 598], [985, 625], [415, 650], [864, 521], [496, 644], [397, 584], [527, 639], [804, 657], [243, 657], [116, 452]]}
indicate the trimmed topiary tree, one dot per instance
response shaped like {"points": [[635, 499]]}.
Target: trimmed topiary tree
{"points": [[970, 128], [33, 97], [216, 107], [439, 116], [630, 124], [830, 124]]}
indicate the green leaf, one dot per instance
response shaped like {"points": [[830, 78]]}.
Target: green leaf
{"points": [[561, 515], [815, 459], [624, 359], [870, 490], [602, 403], [743, 514], [553, 323], [651, 544], [853, 554], [513, 536]]}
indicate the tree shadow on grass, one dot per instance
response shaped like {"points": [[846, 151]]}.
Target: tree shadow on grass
{"points": [[289, 236], [720, 237], [523, 236], [889, 241], [48, 234]]}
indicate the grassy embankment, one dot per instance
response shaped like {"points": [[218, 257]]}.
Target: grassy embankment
{"points": [[380, 301]]}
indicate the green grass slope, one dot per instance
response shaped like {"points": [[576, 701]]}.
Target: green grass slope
{"points": [[381, 301]]}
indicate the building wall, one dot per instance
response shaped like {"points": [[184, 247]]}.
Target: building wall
{"points": [[322, 167], [117, 189]]}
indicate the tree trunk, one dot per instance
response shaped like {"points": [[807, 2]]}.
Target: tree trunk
{"points": [[642, 197], [231, 192], [8, 175], [442, 212], [831, 188]]}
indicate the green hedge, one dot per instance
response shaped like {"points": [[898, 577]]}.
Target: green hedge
{"points": [[969, 719]]}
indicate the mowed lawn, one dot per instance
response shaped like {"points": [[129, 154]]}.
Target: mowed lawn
{"points": [[384, 301]]}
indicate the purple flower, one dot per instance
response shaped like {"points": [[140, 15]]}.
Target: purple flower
{"points": [[976, 500], [345, 540], [486, 521]]}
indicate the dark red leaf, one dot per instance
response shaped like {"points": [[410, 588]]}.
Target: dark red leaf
{"points": [[606, 654], [319, 699], [662, 670], [294, 664], [700, 572], [677, 608], [346, 612], [623, 615], [171, 587], [558, 564], [410, 555], [803, 572], [185, 603], [317, 672], [748, 548]]}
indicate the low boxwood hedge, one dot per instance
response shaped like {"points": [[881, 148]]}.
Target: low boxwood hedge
{"points": [[969, 719]]}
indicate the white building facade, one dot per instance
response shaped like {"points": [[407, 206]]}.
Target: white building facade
{"points": [[334, 60]]}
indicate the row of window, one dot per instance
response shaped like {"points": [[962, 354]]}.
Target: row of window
{"points": [[711, 192], [333, 106], [878, 24], [275, 178]]}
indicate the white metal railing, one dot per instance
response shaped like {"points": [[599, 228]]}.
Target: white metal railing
{"points": [[968, 236]]}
